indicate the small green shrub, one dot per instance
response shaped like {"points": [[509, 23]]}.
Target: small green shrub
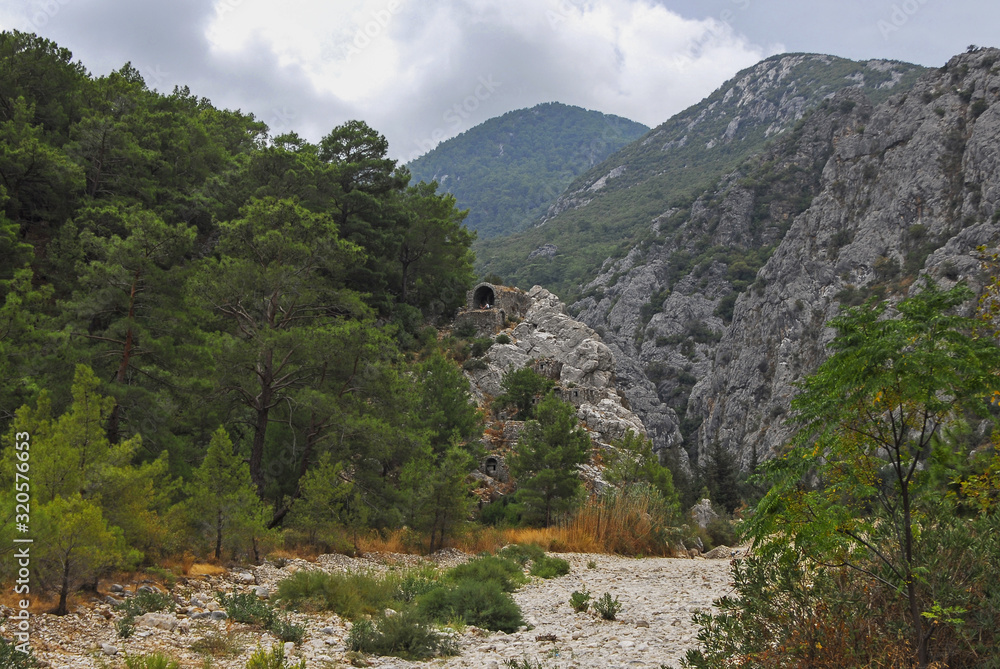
{"points": [[348, 595], [272, 659], [11, 657], [607, 607], [218, 644], [465, 331], [247, 608], [580, 601], [154, 661], [502, 339], [549, 567], [145, 602], [125, 627], [474, 364], [287, 631], [483, 604], [415, 583], [523, 663], [521, 553], [506, 573], [591, 564], [402, 635]]}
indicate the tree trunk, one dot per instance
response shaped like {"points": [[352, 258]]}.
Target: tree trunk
{"points": [[62, 609], [114, 420], [218, 536], [262, 407]]}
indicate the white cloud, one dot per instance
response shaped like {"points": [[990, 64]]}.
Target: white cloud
{"points": [[413, 70]]}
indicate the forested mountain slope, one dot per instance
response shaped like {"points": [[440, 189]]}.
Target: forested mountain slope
{"points": [[509, 170]]}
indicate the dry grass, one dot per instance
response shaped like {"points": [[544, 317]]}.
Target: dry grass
{"points": [[204, 569]]}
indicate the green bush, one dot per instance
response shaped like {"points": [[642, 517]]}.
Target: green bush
{"points": [[247, 608], [272, 659], [15, 659], [483, 604], [250, 609], [580, 601], [154, 661], [549, 567], [607, 607], [506, 574], [502, 339], [145, 602], [480, 346], [521, 553], [347, 595], [402, 635]]}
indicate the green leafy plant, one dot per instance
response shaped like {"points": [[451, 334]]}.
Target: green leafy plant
{"points": [[11, 657], [549, 567], [483, 604], [521, 553], [505, 573], [607, 607], [580, 601], [404, 635], [272, 659], [154, 661]]}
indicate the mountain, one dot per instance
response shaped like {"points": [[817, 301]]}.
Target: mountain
{"points": [[607, 210], [509, 170], [721, 310]]}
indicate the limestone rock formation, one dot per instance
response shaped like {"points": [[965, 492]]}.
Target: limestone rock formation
{"points": [[570, 353], [715, 318]]}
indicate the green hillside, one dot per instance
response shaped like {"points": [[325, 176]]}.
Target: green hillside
{"points": [[608, 210], [509, 170]]}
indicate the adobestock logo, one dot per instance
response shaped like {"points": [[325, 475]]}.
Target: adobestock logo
{"points": [[456, 115]]}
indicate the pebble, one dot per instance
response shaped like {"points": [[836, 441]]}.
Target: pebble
{"points": [[109, 649]]}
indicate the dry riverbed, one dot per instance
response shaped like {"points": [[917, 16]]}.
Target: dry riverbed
{"points": [[658, 597]]}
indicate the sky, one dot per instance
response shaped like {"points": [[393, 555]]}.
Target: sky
{"points": [[423, 71]]}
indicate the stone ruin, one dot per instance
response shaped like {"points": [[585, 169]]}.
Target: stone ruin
{"points": [[489, 306]]}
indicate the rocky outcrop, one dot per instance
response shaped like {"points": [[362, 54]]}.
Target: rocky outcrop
{"points": [[723, 310], [570, 353]]}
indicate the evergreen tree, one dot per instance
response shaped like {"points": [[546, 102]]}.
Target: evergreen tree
{"points": [[75, 545], [545, 462], [221, 501]]}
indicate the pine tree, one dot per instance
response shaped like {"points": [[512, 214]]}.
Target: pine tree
{"points": [[221, 501]]}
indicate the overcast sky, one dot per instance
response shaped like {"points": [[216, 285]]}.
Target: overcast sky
{"points": [[422, 71]]}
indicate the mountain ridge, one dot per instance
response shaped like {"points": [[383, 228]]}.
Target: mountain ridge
{"points": [[510, 169]]}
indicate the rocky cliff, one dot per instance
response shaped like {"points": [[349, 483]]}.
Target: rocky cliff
{"points": [[571, 354], [716, 315]]}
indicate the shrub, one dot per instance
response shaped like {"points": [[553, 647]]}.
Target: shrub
{"points": [[480, 346], [250, 609], [272, 659], [521, 553], [502, 339], [347, 595], [580, 601], [549, 567], [218, 644], [247, 608], [144, 601], [607, 607], [402, 635], [15, 659], [489, 568], [483, 604], [154, 661]]}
